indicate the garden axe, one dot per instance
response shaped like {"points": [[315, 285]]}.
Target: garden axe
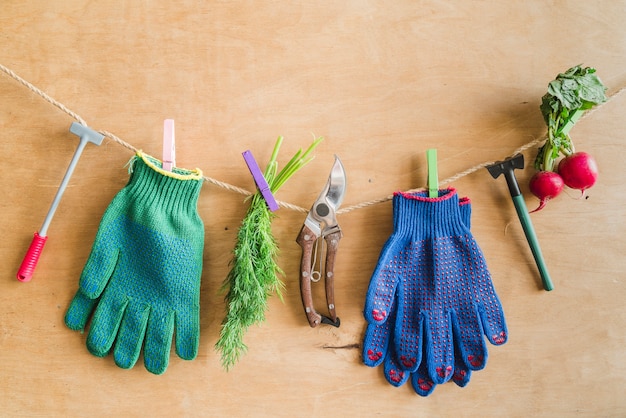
{"points": [[86, 134], [507, 168]]}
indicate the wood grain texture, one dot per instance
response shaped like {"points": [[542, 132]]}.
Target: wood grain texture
{"points": [[381, 82]]}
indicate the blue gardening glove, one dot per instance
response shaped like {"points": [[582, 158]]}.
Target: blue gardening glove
{"points": [[433, 266], [378, 345], [142, 279]]}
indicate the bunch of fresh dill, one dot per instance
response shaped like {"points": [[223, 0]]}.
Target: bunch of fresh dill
{"points": [[254, 272]]}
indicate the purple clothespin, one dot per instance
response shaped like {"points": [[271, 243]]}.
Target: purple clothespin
{"points": [[260, 181]]}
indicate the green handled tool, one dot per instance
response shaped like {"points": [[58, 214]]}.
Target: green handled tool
{"points": [[507, 167]]}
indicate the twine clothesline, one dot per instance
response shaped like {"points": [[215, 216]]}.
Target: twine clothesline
{"points": [[245, 192]]}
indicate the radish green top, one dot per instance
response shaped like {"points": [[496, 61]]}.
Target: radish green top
{"points": [[568, 97]]}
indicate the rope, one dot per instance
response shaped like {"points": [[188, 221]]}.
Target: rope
{"points": [[286, 205], [43, 94]]}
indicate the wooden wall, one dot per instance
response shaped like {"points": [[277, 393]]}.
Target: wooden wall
{"points": [[381, 82]]}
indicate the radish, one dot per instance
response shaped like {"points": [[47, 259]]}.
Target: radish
{"points": [[579, 171], [545, 185], [569, 96]]}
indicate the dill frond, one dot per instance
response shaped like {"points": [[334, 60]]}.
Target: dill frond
{"points": [[254, 273]]}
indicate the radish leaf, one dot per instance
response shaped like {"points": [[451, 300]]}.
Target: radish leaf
{"points": [[571, 93]]}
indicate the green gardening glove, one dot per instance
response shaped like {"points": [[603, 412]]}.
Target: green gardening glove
{"points": [[142, 279]]}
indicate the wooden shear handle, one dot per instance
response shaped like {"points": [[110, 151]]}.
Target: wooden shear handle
{"points": [[306, 240], [332, 244]]}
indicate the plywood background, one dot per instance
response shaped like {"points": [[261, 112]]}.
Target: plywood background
{"points": [[381, 82]]}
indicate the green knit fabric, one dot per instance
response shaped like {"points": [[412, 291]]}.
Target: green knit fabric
{"points": [[141, 283]]}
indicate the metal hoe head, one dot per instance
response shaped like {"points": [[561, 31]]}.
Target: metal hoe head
{"points": [[510, 164], [86, 134]]}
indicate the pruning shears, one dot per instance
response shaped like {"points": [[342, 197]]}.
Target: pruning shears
{"points": [[321, 227]]}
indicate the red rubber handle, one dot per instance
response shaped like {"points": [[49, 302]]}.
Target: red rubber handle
{"points": [[25, 273]]}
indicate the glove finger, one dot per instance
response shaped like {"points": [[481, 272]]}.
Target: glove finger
{"points": [[131, 335], [187, 334], [79, 311], [421, 382], [489, 306], [439, 350], [102, 261], [462, 373], [158, 341], [383, 284], [468, 333], [376, 343], [493, 321], [394, 374], [409, 332], [105, 324]]}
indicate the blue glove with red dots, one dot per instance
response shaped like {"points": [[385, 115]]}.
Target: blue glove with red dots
{"points": [[431, 299]]}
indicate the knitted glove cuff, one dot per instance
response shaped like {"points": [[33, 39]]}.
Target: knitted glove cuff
{"points": [[160, 200], [421, 216], [172, 192]]}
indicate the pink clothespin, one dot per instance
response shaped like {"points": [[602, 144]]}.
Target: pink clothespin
{"points": [[169, 145], [260, 181]]}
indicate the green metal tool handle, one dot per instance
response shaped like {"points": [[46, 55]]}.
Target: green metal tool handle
{"points": [[531, 237]]}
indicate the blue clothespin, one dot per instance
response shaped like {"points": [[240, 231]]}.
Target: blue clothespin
{"points": [[433, 177], [169, 145], [260, 181]]}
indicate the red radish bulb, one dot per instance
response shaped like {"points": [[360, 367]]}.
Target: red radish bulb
{"points": [[579, 171], [545, 185]]}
